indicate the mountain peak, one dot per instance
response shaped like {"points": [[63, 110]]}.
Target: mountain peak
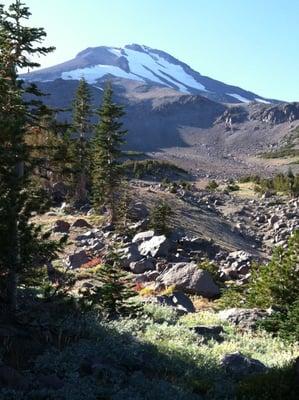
{"points": [[145, 65]]}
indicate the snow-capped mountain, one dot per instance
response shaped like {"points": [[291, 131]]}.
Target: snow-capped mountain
{"points": [[148, 67]]}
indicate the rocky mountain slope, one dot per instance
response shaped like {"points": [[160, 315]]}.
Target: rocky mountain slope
{"points": [[174, 113]]}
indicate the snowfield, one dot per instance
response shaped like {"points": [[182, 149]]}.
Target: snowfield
{"points": [[143, 67]]}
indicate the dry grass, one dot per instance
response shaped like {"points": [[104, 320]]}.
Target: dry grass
{"points": [[246, 190]]}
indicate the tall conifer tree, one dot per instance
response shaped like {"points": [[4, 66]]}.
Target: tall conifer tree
{"points": [[23, 247], [106, 152], [82, 128]]}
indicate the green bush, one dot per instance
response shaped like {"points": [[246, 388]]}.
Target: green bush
{"points": [[284, 324], [233, 296], [276, 283], [212, 185]]}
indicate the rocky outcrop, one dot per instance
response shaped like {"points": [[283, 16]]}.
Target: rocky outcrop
{"points": [[278, 114], [233, 115]]}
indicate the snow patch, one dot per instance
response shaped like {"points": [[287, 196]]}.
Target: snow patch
{"points": [[238, 97], [92, 74], [262, 100], [153, 67]]}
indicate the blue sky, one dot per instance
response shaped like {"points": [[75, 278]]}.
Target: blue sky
{"points": [[249, 43]]}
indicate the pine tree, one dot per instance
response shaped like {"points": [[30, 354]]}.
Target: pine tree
{"points": [[106, 152], [80, 148], [23, 246], [123, 210], [160, 218]]}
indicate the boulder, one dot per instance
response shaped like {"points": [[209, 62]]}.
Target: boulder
{"points": [[177, 300], [157, 246], [86, 236], [243, 317], [239, 365], [61, 226], [81, 223], [129, 254], [108, 228], [189, 278], [273, 219], [77, 259], [96, 246], [142, 236], [279, 225], [261, 219], [138, 267]]}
